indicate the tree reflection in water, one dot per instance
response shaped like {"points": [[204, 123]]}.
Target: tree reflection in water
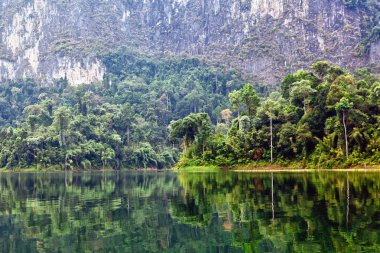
{"points": [[190, 212]]}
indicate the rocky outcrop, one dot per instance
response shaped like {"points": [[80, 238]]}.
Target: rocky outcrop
{"points": [[48, 39]]}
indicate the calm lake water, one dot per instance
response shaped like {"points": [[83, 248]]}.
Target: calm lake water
{"points": [[190, 212]]}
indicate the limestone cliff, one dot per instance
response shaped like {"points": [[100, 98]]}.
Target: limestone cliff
{"points": [[264, 39]]}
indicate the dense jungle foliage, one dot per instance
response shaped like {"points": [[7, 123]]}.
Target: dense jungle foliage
{"points": [[325, 117], [146, 106], [122, 122]]}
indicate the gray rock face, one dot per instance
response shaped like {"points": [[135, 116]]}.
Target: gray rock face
{"points": [[48, 39]]}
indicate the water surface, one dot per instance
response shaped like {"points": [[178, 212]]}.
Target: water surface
{"points": [[190, 212]]}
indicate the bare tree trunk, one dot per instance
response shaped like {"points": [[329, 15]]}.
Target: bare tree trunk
{"points": [[65, 178], [62, 136], [345, 132], [271, 140], [36, 158], [239, 124], [128, 133], [65, 158], [272, 191], [348, 203], [186, 143], [304, 108]]}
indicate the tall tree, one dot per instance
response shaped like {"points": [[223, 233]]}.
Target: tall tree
{"points": [[250, 98], [236, 101], [302, 90], [61, 121], [269, 108], [343, 107], [188, 127]]}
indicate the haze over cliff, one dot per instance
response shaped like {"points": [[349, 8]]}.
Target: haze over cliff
{"points": [[49, 39]]}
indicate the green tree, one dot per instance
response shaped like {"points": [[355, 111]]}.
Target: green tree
{"points": [[108, 154], [61, 122], [321, 68], [302, 90], [250, 98], [269, 108], [236, 100], [343, 107], [188, 128]]}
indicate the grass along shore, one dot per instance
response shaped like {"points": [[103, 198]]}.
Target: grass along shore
{"points": [[267, 167]]}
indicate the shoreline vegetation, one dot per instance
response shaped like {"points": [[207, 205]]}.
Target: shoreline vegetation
{"points": [[79, 170], [212, 168], [276, 168], [151, 113], [323, 118], [121, 122]]}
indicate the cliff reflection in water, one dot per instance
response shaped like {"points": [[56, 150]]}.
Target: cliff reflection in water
{"points": [[190, 212]]}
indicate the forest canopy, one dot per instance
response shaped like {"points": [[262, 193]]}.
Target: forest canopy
{"points": [[121, 122], [326, 117], [146, 108]]}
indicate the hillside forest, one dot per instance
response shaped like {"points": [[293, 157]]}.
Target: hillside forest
{"points": [[154, 113], [121, 122]]}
